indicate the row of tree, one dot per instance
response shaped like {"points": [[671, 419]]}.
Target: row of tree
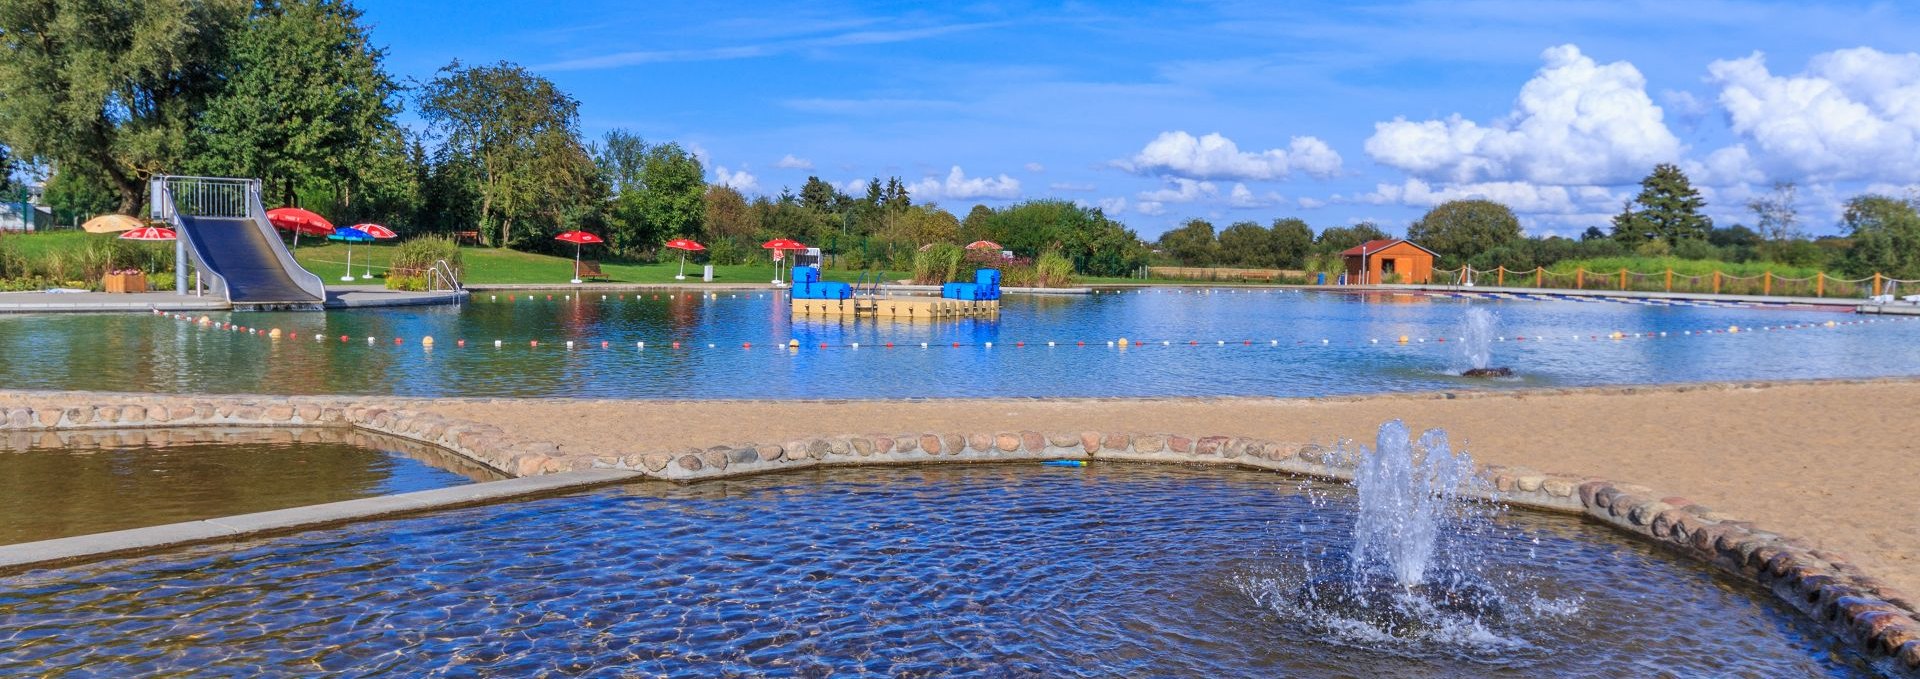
{"points": [[1882, 235]]}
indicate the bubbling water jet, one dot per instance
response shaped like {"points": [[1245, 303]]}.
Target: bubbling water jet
{"points": [[1476, 345]]}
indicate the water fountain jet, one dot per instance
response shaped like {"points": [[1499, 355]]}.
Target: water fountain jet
{"points": [[1476, 345]]}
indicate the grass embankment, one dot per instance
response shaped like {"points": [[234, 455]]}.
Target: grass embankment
{"points": [[502, 267]]}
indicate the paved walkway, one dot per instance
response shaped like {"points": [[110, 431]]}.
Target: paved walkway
{"points": [[338, 297]]}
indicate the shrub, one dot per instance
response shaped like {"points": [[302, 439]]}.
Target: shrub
{"points": [[726, 251], [1052, 270], [406, 282], [938, 263], [414, 256]]}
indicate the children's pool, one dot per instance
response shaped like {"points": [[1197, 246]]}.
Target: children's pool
{"points": [[1184, 342]]}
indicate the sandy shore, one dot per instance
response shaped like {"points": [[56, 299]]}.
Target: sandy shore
{"points": [[1837, 464]]}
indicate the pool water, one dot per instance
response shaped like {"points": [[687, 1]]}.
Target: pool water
{"points": [[54, 486], [1006, 570], [1257, 342]]}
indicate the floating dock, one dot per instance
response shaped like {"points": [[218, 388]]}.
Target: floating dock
{"points": [[913, 308]]}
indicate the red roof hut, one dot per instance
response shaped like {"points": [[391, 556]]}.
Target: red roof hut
{"points": [[1389, 260]]}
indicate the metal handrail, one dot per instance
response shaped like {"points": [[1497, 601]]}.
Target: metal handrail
{"points": [[441, 272]]}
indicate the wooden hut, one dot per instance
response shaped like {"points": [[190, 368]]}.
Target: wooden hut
{"points": [[1389, 260]]}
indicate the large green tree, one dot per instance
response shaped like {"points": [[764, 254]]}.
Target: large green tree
{"points": [[1191, 243], [1461, 229], [518, 135], [1667, 208], [727, 215], [1292, 240], [1332, 240], [1886, 236], [307, 104], [1247, 244], [114, 86], [669, 201], [1097, 245]]}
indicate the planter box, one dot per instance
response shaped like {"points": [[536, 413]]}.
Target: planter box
{"points": [[126, 282]]}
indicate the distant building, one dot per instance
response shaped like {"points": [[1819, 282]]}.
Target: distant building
{"points": [[1389, 260]]}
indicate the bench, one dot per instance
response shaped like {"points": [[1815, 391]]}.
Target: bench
{"points": [[467, 237], [588, 269]]}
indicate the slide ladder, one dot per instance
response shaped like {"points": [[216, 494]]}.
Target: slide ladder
{"points": [[223, 229]]}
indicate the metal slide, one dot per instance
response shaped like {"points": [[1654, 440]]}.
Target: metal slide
{"points": [[223, 227]]}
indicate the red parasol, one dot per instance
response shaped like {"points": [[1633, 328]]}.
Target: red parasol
{"points": [[377, 231], [777, 245], [149, 233], [685, 246], [983, 245], [299, 221], [578, 238]]}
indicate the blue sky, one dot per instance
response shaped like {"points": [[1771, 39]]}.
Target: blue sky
{"points": [[1333, 112]]}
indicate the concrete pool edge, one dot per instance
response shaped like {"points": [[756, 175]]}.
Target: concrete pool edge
{"points": [[137, 541]]}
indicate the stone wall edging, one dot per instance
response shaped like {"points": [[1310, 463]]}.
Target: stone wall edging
{"points": [[1822, 585]]}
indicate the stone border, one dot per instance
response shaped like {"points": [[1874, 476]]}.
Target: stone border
{"points": [[1853, 605]]}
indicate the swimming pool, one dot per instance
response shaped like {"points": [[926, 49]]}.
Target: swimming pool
{"points": [[1109, 570], [1218, 342]]}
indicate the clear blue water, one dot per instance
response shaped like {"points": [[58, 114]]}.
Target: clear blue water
{"points": [[1286, 357], [992, 570]]}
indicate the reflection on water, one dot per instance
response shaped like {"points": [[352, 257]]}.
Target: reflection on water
{"points": [[1286, 357], [76, 483], [1122, 570]]}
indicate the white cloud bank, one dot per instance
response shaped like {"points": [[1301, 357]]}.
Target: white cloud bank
{"points": [[958, 186], [1853, 114], [1576, 122], [1214, 156], [741, 181], [789, 162], [1183, 190]]}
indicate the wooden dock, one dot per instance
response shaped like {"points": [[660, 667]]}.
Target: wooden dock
{"points": [[910, 308]]}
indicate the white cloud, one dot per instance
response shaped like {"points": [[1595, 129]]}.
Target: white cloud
{"points": [[789, 162], [1072, 186], [1685, 107], [1243, 197], [855, 187], [1036, 167], [1150, 208], [1521, 197], [1575, 122], [740, 181], [959, 186], [1216, 157], [1908, 191], [1310, 203], [699, 153], [1110, 206], [1183, 191], [1853, 114], [1730, 165]]}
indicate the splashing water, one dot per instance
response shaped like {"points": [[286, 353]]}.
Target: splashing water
{"points": [[1403, 500], [1476, 345]]}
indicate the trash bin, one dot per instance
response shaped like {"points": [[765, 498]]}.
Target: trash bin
{"points": [[708, 276], [1322, 280]]}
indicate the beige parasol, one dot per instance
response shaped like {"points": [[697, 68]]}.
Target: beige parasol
{"points": [[112, 224]]}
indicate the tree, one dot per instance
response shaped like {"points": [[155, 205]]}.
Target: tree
{"points": [[975, 226], [1336, 239], [1097, 246], [727, 215], [307, 103], [925, 223], [1776, 214], [1886, 236], [1192, 243], [1247, 244], [111, 87], [518, 132], [1461, 229], [1668, 208], [819, 195], [660, 192], [1292, 240], [6, 174], [1592, 233]]}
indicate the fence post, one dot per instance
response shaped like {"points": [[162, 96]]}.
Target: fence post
{"points": [[1538, 271], [1579, 278], [1502, 274], [1623, 279], [1820, 284], [1876, 285], [1766, 283], [1716, 281], [1669, 280]]}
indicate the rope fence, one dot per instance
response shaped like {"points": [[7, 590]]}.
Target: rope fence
{"points": [[1717, 282]]}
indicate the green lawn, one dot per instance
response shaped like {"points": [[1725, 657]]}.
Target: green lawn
{"points": [[501, 266]]}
